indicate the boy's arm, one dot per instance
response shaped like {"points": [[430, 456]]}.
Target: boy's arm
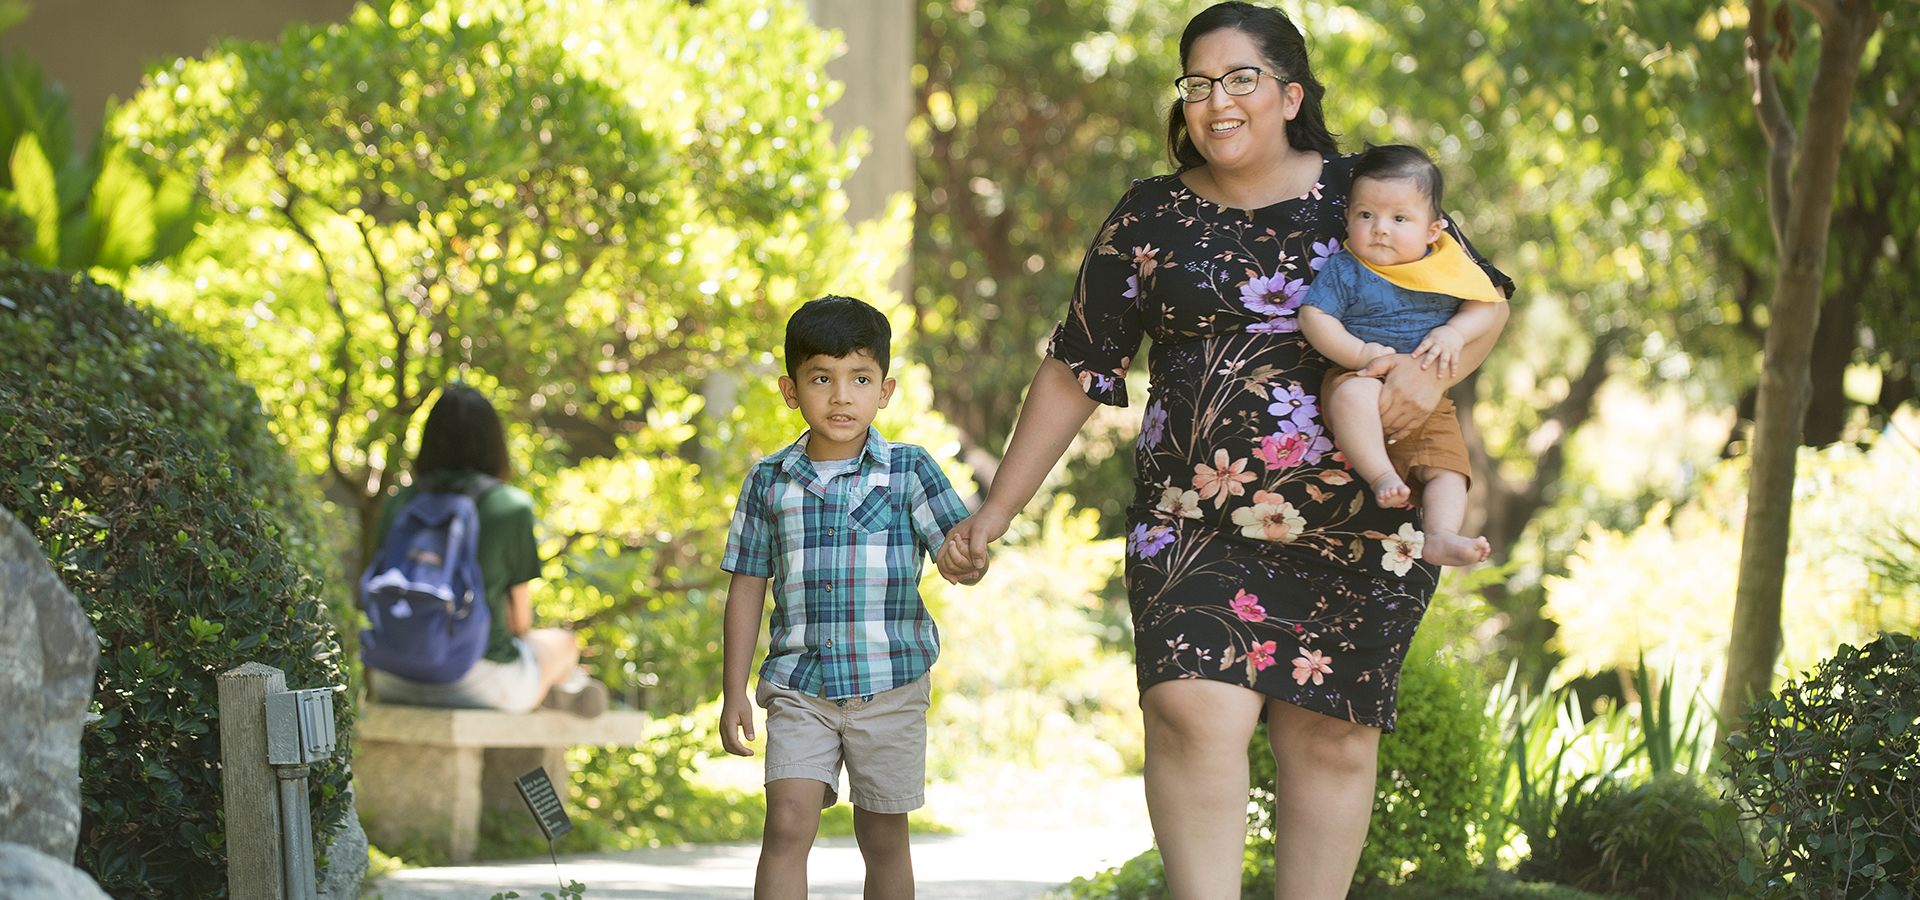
{"points": [[1440, 349], [1329, 336], [746, 603], [937, 508]]}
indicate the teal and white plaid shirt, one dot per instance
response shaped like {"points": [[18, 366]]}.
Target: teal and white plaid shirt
{"points": [[844, 557]]}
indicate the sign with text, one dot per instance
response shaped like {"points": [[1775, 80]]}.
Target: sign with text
{"points": [[537, 790]]}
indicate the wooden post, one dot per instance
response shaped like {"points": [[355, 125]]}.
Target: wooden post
{"points": [[247, 784]]}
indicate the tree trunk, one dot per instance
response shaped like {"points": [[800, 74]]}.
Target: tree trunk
{"points": [[1801, 207]]}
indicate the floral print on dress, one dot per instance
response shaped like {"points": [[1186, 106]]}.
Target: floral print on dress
{"points": [[1249, 543]]}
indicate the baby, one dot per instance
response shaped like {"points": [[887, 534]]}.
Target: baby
{"points": [[1402, 285]]}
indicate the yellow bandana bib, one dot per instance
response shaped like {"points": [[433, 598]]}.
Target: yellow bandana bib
{"points": [[1446, 270]]}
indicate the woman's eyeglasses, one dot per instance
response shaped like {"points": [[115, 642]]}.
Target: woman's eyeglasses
{"points": [[1238, 83]]}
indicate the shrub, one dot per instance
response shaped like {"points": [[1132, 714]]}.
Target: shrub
{"points": [[148, 474], [1829, 770], [1668, 838]]}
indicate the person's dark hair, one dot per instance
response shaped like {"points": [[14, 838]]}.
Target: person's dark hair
{"points": [[462, 432], [1285, 49], [1403, 162], [836, 326]]}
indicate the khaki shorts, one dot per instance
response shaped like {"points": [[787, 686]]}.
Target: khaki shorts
{"points": [[882, 739], [1436, 442], [511, 686]]}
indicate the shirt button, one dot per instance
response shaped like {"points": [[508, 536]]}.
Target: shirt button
{"points": [[830, 532], [829, 643], [829, 588]]}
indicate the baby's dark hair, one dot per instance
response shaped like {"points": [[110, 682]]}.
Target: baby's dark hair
{"points": [[836, 326], [1401, 161]]}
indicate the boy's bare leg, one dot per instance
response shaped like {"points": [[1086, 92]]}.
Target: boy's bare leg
{"points": [[793, 818], [1443, 504], [1354, 412], [883, 844]]}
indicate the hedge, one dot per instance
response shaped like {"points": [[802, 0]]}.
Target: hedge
{"points": [[149, 475]]}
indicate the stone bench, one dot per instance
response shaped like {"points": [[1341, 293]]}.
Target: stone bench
{"points": [[426, 775]]}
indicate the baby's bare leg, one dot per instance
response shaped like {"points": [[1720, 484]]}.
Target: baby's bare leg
{"points": [[1354, 413], [1443, 506]]}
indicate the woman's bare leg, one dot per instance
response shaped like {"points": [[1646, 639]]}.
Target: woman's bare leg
{"points": [[1196, 775], [1325, 800]]}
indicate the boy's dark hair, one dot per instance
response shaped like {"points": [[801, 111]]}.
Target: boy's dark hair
{"points": [[462, 432], [1401, 161], [836, 326]]}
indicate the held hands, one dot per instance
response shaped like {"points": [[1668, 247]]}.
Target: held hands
{"points": [[1441, 350], [736, 716], [963, 558]]}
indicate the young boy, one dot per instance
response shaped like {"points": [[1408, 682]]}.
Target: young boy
{"points": [[1401, 285], [838, 521]]}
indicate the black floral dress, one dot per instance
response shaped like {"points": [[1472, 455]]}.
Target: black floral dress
{"points": [[1254, 554]]}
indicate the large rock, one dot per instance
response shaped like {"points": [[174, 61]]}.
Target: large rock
{"points": [[346, 859], [26, 872], [48, 652]]}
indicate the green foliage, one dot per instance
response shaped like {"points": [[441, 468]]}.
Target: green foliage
{"points": [[60, 207], [162, 499], [601, 214], [1668, 838], [645, 796], [1434, 802], [1829, 772], [597, 212], [1662, 589], [1026, 675], [1143, 877], [1031, 120]]}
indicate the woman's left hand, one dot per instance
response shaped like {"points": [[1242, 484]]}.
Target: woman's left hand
{"points": [[1408, 393]]}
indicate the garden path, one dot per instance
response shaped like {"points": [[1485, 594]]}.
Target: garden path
{"points": [[1018, 834]]}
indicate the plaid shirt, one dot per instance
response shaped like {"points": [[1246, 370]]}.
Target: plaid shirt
{"points": [[844, 558]]}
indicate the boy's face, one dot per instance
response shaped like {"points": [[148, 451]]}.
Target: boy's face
{"points": [[838, 396], [1390, 221]]}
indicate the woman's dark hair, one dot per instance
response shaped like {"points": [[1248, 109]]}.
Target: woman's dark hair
{"points": [[1390, 162], [462, 432], [836, 326], [1285, 48]]}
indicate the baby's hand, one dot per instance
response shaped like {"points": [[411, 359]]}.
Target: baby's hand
{"points": [[1371, 351], [1441, 350]]}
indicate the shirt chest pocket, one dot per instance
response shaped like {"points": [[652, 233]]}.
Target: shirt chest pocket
{"points": [[874, 515]]}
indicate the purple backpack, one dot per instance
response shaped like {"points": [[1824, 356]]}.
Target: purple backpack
{"points": [[423, 593]]}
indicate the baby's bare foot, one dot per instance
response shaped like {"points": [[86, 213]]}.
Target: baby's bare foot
{"points": [[1390, 492], [1449, 549]]}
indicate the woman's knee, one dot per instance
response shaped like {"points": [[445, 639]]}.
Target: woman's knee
{"points": [[1199, 714], [556, 647], [1321, 742]]}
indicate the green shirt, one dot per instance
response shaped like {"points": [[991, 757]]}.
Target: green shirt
{"points": [[509, 555]]}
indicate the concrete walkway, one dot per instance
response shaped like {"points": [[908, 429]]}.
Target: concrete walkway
{"points": [[980, 865]]}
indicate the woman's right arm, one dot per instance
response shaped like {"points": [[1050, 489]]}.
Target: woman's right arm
{"points": [[1051, 417]]}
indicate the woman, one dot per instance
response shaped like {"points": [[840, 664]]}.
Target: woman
{"points": [[1263, 583], [462, 440]]}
